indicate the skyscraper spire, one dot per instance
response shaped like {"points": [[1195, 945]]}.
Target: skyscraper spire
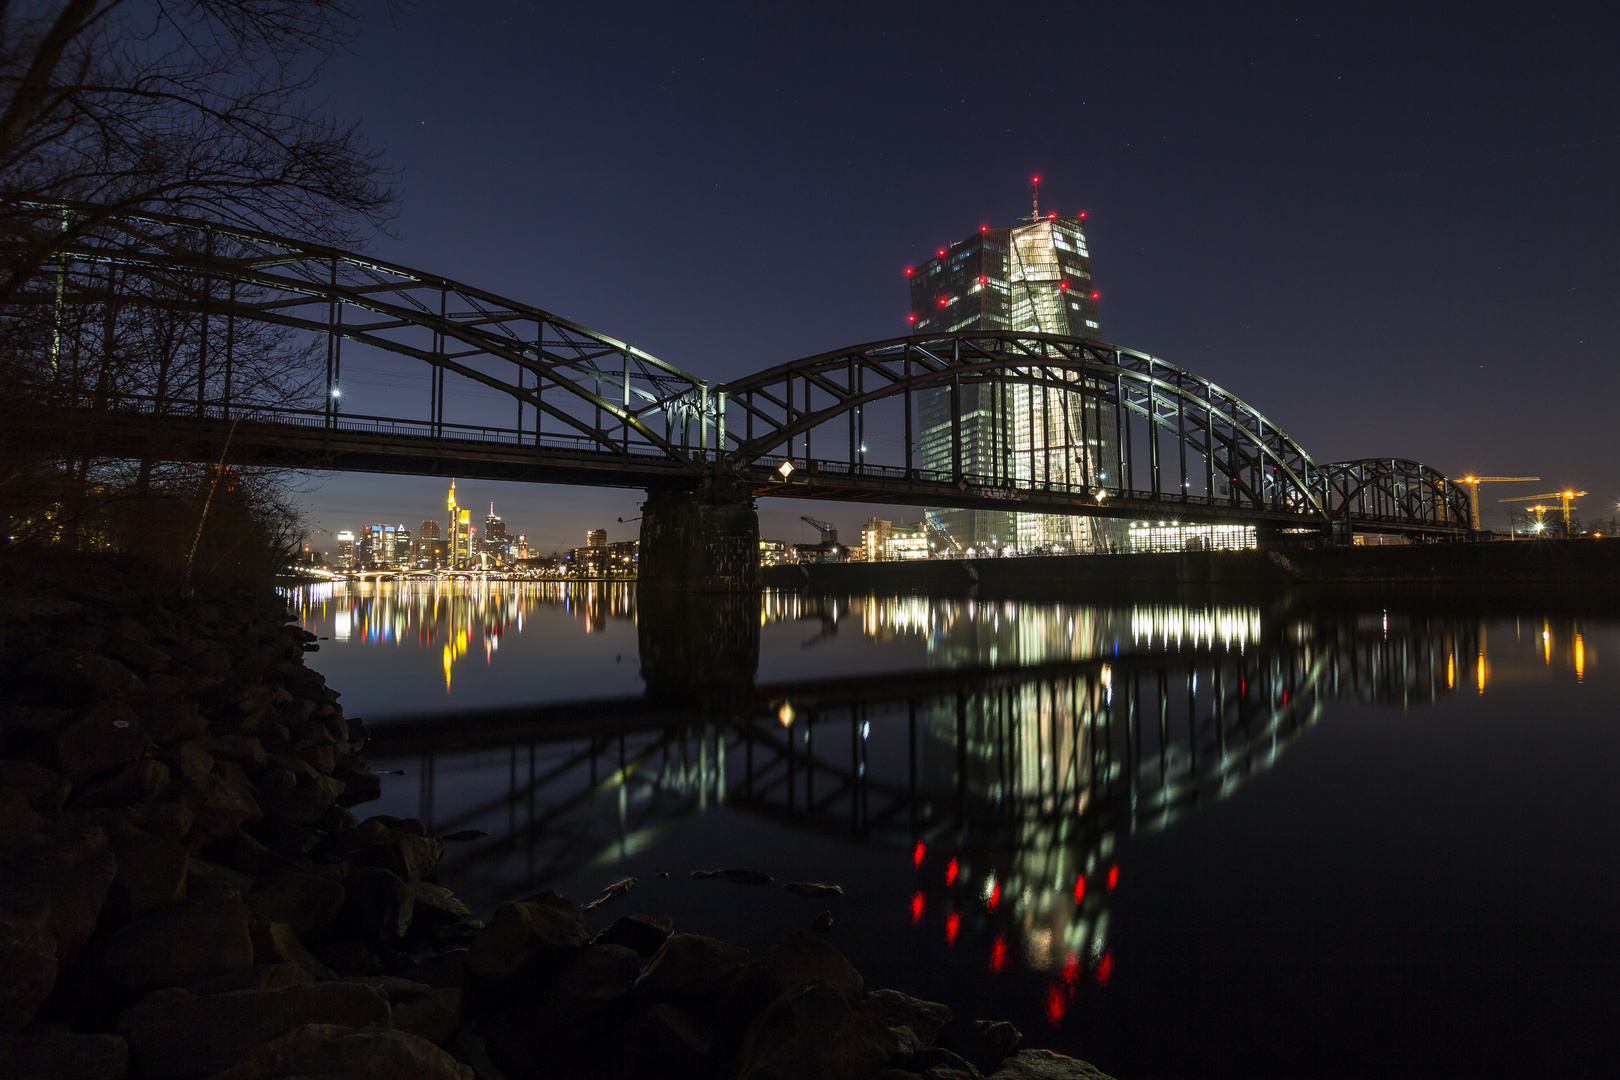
{"points": [[452, 500]]}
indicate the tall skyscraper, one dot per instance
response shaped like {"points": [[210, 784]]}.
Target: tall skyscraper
{"points": [[345, 550], [461, 533], [1034, 277], [430, 549], [497, 545]]}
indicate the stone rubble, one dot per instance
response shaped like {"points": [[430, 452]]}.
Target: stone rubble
{"points": [[185, 893]]}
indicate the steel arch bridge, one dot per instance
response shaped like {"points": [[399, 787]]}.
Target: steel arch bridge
{"points": [[1061, 425]]}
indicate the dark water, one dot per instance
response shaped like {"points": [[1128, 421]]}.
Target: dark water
{"points": [[1265, 838]]}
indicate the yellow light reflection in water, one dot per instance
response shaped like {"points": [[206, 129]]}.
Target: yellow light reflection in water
{"points": [[1580, 659], [1481, 670], [1451, 671], [1546, 642]]}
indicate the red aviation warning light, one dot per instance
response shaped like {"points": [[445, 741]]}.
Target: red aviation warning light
{"points": [[1063, 284], [1082, 213], [1095, 295], [984, 228], [908, 270], [942, 251], [1051, 217], [1034, 179], [911, 318], [982, 281]]}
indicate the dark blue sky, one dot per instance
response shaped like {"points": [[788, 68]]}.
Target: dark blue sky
{"points": [[1393, 228]]}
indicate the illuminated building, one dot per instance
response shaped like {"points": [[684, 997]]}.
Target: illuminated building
{"points": [[345, 550], [596, 538], [1034, 277], [386, 546], [497, 545], [1172, 536], [461, 533], [884, 541], [430, 547]]}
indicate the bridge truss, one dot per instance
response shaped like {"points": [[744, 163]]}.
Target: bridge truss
{"points": [[149, 325], [1044, 423]]}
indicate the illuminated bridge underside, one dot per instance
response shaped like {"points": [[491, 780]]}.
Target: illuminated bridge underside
{"points": [[1122, 434]]}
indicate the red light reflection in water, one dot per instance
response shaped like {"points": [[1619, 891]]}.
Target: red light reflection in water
{"points": [[1105, 967], [953, 923], [995, 896], [917, 855], [1113, 876], [1056, 1005], [1079, 888], [1071, 969], [918, 901], [998, 953], [950, 873]]}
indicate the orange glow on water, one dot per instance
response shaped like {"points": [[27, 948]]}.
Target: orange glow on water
{"points": [[1580, 659]]}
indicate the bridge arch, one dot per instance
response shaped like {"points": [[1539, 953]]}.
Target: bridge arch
{"points": [[1076, 426]]}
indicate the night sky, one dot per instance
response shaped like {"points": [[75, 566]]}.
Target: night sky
{"points": [[1394, 229]]}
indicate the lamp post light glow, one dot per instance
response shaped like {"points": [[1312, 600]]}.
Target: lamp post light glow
{"points": [[786, 469]]}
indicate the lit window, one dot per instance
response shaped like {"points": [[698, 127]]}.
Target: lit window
{"points": [[1091, 324]]}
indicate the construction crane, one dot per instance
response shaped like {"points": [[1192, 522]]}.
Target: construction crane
{"points": [[829, 534], [937, 527], [1562, 496], [1473, 483]]}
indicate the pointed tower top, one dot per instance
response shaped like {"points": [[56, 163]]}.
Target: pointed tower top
{"points": [[452, 506]]}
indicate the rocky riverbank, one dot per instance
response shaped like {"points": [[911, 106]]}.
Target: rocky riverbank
{"points": [[185, 893]]}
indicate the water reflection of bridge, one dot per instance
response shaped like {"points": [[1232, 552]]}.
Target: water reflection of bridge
{"points": [[1011, 766]]}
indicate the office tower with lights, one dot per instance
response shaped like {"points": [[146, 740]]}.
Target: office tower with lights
{"points": [[1030, 278], [461, 533], [345, 550], [430, 553], [497, 544]]}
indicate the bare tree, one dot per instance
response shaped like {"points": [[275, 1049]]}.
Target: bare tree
{"points": [[193, 107]]}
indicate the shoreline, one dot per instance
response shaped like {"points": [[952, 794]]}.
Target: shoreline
{"points": [[186, 892]]}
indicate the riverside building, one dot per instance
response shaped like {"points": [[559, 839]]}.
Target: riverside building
{"points": [[1034, 277]]}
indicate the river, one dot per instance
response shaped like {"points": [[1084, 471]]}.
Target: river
{"points": [[1226, 837]]}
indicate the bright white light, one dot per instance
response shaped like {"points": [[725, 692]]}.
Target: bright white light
{"points": [[336, 392], [786, 469]]}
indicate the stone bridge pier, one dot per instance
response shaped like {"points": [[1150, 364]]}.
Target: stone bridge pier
{"points": [[699, 539]]}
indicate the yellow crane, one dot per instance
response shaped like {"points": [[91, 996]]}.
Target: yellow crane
{"points": [[1473, 483], [1561, 496]]}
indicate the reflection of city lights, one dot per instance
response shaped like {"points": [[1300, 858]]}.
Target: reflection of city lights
{"points": [[918, 902], [1481, 671], [1071, 969], [918, 853], [1056, 1004], [995, 895], [1546, 642], [998, 953], [1113, 876], [1580, 659], [950, 873], [1079, 888], [1451, 671], [784, 716], [1105, 967], [953, 922]]}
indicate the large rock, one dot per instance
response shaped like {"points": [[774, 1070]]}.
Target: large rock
{"points": [[45, 790], [19, 823], [692, 969], [892, 1009], [108, 735], [206, 935], [137, 783], [275, 943], [151, 871], [309, 903], [1045, 1065], [27, 968], [377, 907], [813, 1034], [525, 933], [84, 678], [61, 1055], [435, 1015], [407, 856], [177, 1034], [65, 876], [329, 1051], [222, 801], [797, 960], [581, 996], [304, 804], [645, 934]]}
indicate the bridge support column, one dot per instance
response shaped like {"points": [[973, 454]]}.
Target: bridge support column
{"points": [[703, 539]]}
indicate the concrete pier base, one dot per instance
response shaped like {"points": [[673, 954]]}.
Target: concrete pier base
{"points": [[702, 539]]}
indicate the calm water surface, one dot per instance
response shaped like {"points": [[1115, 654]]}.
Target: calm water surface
{"points": [[1248, 839]]}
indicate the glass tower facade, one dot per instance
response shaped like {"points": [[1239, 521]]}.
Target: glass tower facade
{"points": [[1029, 278]]}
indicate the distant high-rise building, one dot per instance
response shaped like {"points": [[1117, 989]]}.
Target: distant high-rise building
{"points": [[497, 545], [1034, 277], [596, 538], [430, 553], [345, 550], [386, 546], [461, 533]]}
